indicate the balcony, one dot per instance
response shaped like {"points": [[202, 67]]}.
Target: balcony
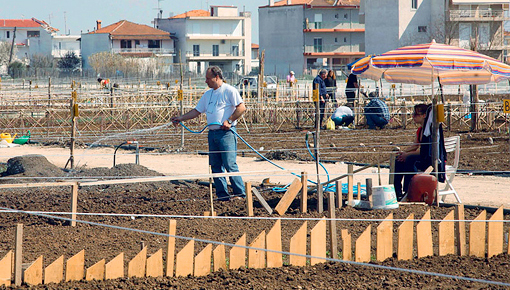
{"points": [[214, 36], [205, 55], [353, 49], [477, 15], [62, 52], [144, 50], [335, 26]]}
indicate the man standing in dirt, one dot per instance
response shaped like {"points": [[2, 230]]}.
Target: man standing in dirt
{"points": [[223, 105]]}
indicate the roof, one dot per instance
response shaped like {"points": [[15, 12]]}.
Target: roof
{"points": [[323, 3], [26, 23], [254, 45], [192, 13], [127, 30]]}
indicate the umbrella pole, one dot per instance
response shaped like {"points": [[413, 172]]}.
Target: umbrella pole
{"points": [[435, 129]]}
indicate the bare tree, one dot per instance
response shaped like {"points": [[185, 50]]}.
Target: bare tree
{"points": [[5, 52]]}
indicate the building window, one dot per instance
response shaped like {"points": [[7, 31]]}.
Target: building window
{"points": [[346, 16], [336, 39], [235, 50], [317, 45], [422, 28], [318, 21], [414, 4], [196, 50], [33, 33], [345, 39], [8, 34], [125, 43], [215, 50], [336, 16], [154, 44], [137, 42]]}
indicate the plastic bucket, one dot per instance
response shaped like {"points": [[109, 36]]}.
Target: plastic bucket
{"points": [[384, 197], [7, 137]]}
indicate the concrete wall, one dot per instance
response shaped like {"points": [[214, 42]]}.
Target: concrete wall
{"points": [[281, 36], [41, 45], [94, 43], [409, 21], [381, 25]]}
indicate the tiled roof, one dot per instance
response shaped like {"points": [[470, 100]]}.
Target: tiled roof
{"points": [[319, 2], [124, 28], [254, 45], [192, 13], [26, 23]]}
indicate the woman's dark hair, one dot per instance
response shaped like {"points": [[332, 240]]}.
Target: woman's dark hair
{"points": [[216, 71], [331, 74], [421, 108]]}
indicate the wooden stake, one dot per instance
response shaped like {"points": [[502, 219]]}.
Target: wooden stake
{"points": [[363, 246], [96, 271], [460, 230], [184, 260], [495, 234], [18, 255], [406, 239], [75, 267], [249, 199], [298, 246], [203, 261], [358, 191], [155, 264], [477, 235], [170, 253], [262, 200], [74, 203], [115, 268], [447, 235], [304, 192], [346, 245], [33, 274], [6, 269], [219, 258], [136, 267], [238, 254], [368, 189], [318, 242], [211, 199], [274, 243], [350, 182], [288, 197], [339, 196], [332, 227], [424, 236], [384, 248], [257, 258]]}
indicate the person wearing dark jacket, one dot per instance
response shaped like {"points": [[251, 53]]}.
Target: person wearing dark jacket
{"points": [[330, 82], [318, 84]]}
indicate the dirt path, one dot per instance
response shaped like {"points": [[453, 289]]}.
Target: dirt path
{"points": [[474, 190]]}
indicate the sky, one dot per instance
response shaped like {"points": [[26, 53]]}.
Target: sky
{"points": [[81, 15]]}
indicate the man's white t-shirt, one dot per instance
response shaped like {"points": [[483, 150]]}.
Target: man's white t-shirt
{"points": [[219, 105], [342, 111]]}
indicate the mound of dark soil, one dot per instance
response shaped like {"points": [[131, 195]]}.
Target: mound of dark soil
{"points": [[31, 166], [120, 170], [281, 155]]}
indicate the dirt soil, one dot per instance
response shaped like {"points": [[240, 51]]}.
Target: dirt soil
{"points": [[52, 237]]}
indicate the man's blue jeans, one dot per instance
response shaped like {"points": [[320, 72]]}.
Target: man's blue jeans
{"points": [[375, 120], [222, 156]]}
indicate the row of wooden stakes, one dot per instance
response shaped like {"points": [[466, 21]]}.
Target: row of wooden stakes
{"points": [[266, 250]]}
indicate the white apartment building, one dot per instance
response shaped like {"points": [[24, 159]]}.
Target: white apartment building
{"points": [[64, 44], [220, 37], [470, 24], [302, 35]]}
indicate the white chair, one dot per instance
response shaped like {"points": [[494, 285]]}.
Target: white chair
{"points": [[451, 144]]}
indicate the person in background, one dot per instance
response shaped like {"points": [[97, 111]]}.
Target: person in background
{"points": [[376, 112], [343, 115], [407, 159], [351, 88], [318, 84], [330, 82], [291, 79], [223, 106]]}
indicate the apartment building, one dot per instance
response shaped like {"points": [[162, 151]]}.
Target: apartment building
{"points": [[470, 24], [221, 37], [302, 35]]}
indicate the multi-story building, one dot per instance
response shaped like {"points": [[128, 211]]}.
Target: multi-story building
{"points": [[30, 36], [128, 39], [301, 35], [64, 44], [470, 24], [221, 37]]}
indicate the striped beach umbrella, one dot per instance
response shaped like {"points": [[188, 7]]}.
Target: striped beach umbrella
{"points": [[423, 63]]}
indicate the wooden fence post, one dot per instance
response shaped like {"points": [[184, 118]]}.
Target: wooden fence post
{"points": [[363, 247], [495, 234], [318, 242], [304, 192], [477, 235], [406, 239], [249, 199], [74, 203], [298, 246], [385, 239], [274, 242], [424, 236], [332, 226], [447, 235], [460, 230], [18, 255]]}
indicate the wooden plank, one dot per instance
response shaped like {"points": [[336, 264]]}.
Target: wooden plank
{"points": [[350, 183], [304, 192], [74, 203], [358, 191], [384, 249], [6, 269], [346, 245], [115, 268], [203, 261], [18, 255], [155, 264], [170, 253], [318, 242], [36, 184], [262, 201], [33, 275], [298, 246], [368, 188], [96, 271], [219, 257], [257, 258], [460, 230], [249, 199], [184, 260], [274, 243], [424, 236], [333, 238], [75, 267], [447, 235], [363, 246], [238, 254], [339, 196], [406, 239], [495, 234], [136, 267], [288, 197], [477, 235]]}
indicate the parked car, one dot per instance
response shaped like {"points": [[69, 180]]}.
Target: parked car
{"points": [[249, 85]]}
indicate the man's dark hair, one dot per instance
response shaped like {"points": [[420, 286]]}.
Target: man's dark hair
{"points": [[216, 71]]}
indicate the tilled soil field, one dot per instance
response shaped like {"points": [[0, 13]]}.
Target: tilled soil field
{"points": [[52, 237]]}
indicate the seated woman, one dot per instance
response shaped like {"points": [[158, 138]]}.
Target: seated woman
{"points": [[406, 164]]}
